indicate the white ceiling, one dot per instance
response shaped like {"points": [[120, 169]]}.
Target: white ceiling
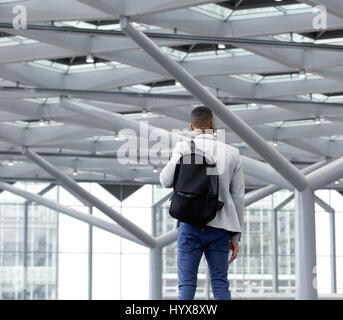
{"points": [[301, 116]]}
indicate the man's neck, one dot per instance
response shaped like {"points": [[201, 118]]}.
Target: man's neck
{"points": [[199, 131]]}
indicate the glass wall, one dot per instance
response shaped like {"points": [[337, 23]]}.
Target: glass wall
{"points": [[251, 273], [113, 260], [46, 255], [28, 247]]}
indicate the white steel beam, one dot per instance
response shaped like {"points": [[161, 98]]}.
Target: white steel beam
{"points": [[47, 11], [195, 22], [326, 175], [83, 194], [94, 221], [137, 8]]}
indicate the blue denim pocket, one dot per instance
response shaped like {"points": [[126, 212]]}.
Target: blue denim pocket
{"points": [[186, 239]]}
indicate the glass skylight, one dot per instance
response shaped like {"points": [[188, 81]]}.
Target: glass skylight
{"points": [[251, 77], [288, 77], [51, 100], [7, 1], [215, 53], [295, 123], [15, 41], [89, 67], [114, 26], [292, 37], [49, 65], [86, 67], [213, 10], [34, 124], [178, 89], [219, 12], [333, 41], [335, 99]]}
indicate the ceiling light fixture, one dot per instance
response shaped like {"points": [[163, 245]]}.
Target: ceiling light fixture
{"points": [[221, 46], [90, 59], [302, 74]]}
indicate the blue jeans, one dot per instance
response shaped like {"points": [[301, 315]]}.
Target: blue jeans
{"points": [[192, 242]]}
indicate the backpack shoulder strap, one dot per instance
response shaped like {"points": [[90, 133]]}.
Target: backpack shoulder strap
{"points": [[192, 146]]}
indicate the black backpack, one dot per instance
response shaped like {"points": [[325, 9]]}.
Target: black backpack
{"points": [[195, 197]]}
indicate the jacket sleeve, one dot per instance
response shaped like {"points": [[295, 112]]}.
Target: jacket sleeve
{"points": [[167, 173], [237, 190]]}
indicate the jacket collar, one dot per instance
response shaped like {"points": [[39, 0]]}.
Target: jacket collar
{"points": [[205, 136]]}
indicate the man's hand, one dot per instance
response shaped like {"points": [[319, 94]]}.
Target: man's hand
{"points": [[234, 249]]}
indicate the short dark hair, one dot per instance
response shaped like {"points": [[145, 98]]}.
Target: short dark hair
{"points": [[201, 117]]}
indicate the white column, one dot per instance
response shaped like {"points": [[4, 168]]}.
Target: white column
{"points": [[155, 277], [275, 251], [333, 252], [90, 258], [305, 246]]}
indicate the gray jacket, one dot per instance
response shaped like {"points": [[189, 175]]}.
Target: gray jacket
{"points": [[231, 180]]}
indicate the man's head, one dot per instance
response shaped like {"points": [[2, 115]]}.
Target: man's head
{"points": [[202, 119]]}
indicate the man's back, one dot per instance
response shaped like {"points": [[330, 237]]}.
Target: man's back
{"points": [[231, 181]]}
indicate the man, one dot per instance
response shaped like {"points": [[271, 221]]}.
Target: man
{"points": [[221, 234]]}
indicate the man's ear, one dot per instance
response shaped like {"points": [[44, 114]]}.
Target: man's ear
{"points": [[212, 124], [192, 128]]}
